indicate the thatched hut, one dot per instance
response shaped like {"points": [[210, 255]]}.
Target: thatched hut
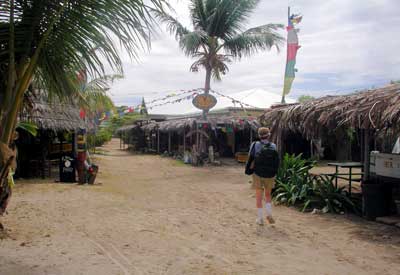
{"points": [[228, 133], [370, 120], [375, 112], [56, 124]]}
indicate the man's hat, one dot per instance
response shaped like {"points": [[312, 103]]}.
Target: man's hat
{"points": [[264, 132]]}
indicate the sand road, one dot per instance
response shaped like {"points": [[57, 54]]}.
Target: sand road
{"points": [[153, 215]]}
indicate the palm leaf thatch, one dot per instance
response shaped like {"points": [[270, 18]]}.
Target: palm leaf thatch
{"points": [[238, 122], [52, 114], [376, 109]]}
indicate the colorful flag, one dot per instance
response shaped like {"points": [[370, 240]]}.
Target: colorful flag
{"points": [[292, 48], [82, 114]]}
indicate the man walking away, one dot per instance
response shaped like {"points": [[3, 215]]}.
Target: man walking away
{"points": [[263, 164]]}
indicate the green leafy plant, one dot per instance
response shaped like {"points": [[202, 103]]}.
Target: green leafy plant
{"points": [[293, 181], [327, 197], [29, 127], [296, 186]]}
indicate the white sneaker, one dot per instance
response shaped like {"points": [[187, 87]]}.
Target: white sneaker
{"points": [[259, 221]]}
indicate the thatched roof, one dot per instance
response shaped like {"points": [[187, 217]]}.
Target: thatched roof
{"points": [[373, 109], [127, 128], [214, 121], [53, 116]]}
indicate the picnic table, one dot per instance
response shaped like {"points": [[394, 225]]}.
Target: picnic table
{"points": [[346, 176]]}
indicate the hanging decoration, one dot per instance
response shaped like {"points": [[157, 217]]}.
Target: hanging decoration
{"points": [[204, 101], [82, 113], [185, 95], [234, 101], [292, 48]]}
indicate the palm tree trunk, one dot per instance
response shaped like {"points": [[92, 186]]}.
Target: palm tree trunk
{"points": [[17, 91], [207, 87], [208, 81]]}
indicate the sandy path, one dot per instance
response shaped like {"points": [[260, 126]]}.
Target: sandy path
{"points": [[152, 215]]}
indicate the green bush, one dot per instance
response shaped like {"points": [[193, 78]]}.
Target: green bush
{"points": [[327, 197], [293, 180], [295, 186], [102, 136]]}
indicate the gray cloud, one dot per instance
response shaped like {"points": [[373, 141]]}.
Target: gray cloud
{"points": [[345, 45]]}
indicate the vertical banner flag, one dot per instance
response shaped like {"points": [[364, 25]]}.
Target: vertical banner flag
{"points": [[292, 47]]}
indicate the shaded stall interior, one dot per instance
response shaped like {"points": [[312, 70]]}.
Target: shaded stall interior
{"points": [[39, 156], [226, 135]]}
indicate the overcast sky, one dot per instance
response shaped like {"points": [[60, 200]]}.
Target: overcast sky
{"points": [[345, 45]]}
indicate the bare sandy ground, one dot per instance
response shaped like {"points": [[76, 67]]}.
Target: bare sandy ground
{"points": [[152, 215]]}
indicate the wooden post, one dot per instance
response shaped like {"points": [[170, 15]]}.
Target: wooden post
{"points": [[251, 135], [366, 158], [169, 141], [197, 140], [158, 140], [279, 142], [234, 141], [184, 141], [283, 92]]}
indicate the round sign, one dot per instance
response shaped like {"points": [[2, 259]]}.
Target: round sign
{"points": [[67, 163], [204, 101]]}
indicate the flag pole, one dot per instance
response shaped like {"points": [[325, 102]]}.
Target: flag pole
{"points": [[283, 92]]}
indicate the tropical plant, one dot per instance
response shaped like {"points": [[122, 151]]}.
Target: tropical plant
{"points": [[327, 197], [293, 181], [99, 138], [217, 36], [47, 40], [296, 186], [28, 127], [93, 94], [143, 108]]}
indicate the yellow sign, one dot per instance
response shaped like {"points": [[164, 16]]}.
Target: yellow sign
{"points": [[204, 101]]}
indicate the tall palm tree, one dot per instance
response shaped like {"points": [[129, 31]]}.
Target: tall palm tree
{"points": [[218, 35], [48, 39]]}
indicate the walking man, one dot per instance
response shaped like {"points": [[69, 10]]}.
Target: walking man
{"points": [[263, 164]]}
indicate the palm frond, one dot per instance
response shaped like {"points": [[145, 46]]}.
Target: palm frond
{"points": [[218, 64], [173, 25], [254, 40], [191, 42], [29, 127], [226, 18], [84, 33]]}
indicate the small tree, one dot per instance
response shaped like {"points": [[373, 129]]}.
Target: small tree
{"points": [[305, 98], [143, 108]]}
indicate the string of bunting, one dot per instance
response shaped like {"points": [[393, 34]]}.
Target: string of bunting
{"points": [[179, 93], [189, 94], [171, 95], [234, 101], [188, 97]]}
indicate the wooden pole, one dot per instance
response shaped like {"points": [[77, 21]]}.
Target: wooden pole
{"points": [[184, 141], [158, 140], [169, 141], [366, 155], [197, 140], [283, 93]]}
